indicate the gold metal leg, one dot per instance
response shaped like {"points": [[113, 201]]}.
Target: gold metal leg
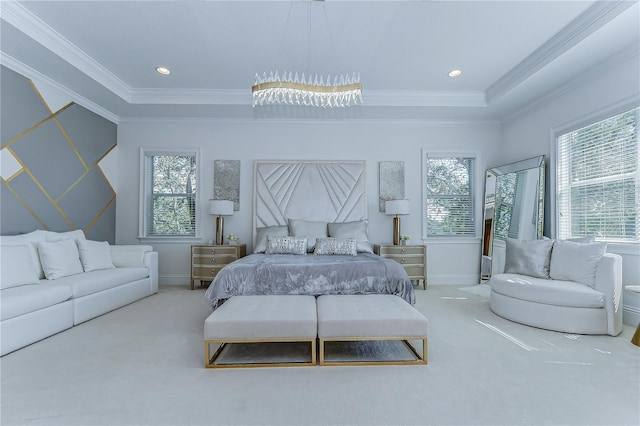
{"points": [[636, 337]]}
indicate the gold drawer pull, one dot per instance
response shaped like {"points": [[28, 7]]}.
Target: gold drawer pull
{"points": [[402, 261], [402, 251], [213, 260]]}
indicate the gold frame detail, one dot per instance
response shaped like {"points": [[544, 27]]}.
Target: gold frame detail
{"points": [[209, 360], [420, 360]]}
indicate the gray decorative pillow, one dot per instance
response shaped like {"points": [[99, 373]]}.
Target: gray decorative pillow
{"points": [[286, 245], [577, 262], [528, 257], [261, 236], [308, 229], [582, 239], [336, 246], [356, 229]]}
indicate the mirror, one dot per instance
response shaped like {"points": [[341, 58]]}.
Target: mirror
{"points": [[513, 208]]}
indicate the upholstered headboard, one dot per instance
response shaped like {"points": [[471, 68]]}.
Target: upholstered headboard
{"points": [[331, 191]]}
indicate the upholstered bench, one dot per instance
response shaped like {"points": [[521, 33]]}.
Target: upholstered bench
{"points": [[261, 319], [370, 317]]}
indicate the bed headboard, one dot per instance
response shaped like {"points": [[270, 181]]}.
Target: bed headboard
{"points": [[332, 191]]}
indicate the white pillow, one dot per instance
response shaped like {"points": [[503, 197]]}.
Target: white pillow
{"points": [[308, 229], [356, 229], [577, 262], [18, 265], [95, 255], [262, 233], [59, 258], [77, 234], [32, 238]]}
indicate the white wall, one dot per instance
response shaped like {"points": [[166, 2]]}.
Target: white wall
{"points": [[530, 134], [449, 262]]}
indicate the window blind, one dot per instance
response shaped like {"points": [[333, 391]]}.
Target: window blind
{"points": [[449, 196], [598, 180]]}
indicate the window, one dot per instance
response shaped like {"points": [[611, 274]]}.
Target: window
{"points": [[449, 195], [169, 188], [598, 180]]}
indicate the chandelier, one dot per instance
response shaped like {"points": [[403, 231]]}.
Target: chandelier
{"points": [[311, 90], [289, 89]]}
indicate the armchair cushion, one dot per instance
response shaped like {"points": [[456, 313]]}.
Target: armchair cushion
{"points": [[528, 257], [578, 262]]}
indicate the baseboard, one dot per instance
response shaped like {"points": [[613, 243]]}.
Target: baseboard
{"points": [[174, 280], [446, 279], [630, 315]]}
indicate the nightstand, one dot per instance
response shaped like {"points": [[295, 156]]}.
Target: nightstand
{"points": [[207, 260], [412, 257]]}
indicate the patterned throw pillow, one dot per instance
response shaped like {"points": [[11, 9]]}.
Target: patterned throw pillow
{"points": [[286, 245], [339, 246]]}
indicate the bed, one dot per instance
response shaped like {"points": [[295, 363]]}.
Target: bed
{"points": [[317, 210]]}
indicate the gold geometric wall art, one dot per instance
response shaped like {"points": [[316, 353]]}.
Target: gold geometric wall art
{"points": [[51, 155]]}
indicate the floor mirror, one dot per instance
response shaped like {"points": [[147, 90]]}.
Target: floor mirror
{"points": [[513, 208]]}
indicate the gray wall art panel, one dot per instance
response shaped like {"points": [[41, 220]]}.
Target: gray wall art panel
{"points": [[391, 182], [92, 135], [60, 186], [20, 105], [226, 181]]}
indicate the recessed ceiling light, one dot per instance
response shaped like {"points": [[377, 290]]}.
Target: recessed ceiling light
{"points": [[163, 70], [455, 73]]}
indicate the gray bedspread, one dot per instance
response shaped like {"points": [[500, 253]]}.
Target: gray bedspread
{"points": [[314, 275]]}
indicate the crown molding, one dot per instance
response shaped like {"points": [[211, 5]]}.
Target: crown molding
{"points": [[431, 98], [611, 62], [32, 74], [580, 28], [20, 17]]}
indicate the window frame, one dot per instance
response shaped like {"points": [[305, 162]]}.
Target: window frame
{"points": [[473, 179], [554, 134], [144, 194]]}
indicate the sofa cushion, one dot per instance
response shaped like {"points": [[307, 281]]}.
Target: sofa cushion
{"points": [[94, 255], [32, 238], [549, 292], [18, 265], [21, 300], [96, 281], [69, 235], [59, 259], [578, 262], [528, 257]]}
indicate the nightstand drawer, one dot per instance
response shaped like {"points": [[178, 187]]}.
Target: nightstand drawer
{"points": [[219, 259], [204, 273], [389, 251], [218, 250], [415, 271]]}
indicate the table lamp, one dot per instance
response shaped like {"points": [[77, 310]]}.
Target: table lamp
{"points": [[220, 208], [396, 207]]}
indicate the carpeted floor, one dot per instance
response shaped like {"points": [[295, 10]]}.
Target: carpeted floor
{"points": [[143, 365]]}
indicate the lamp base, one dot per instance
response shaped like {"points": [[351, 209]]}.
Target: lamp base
{"points": [[396, 231], [219, 230]]}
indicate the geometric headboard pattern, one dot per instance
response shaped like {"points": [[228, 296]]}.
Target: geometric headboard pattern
{"points": [[51, 163], [331, 191]]}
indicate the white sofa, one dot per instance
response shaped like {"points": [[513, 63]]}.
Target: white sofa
{"points": [[39, 297], [560, 285]]}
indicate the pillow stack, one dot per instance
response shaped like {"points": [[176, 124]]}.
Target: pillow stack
{"points": [[335, 238], [565, 260]]}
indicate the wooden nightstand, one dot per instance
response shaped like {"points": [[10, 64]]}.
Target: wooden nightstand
{"points": [[207, 260], [413, 258]]}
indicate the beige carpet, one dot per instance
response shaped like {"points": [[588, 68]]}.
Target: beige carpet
{"points": [[143, 365]]}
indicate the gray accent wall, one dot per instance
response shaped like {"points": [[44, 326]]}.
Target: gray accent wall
{"points": [[59, 185]]}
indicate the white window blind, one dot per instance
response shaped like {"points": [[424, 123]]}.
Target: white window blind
{"points": [[449, 196], [598, 180], [170, 188]]}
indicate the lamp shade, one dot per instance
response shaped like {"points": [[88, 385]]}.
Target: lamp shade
{"points": [[396, 207], [221, 207]]}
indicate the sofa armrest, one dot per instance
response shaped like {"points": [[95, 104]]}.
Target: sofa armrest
{"points": [[609, 283], [151, 262], [127, 256]]}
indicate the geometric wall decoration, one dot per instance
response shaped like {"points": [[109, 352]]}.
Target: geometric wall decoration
{"points": [[226, 181], [50, 156], [391, 182]]}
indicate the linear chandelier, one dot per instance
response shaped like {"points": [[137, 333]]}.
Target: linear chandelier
{"points": [[289, 89]]}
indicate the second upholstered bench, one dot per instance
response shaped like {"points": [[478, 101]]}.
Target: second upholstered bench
{"points": [[370, 317]]}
